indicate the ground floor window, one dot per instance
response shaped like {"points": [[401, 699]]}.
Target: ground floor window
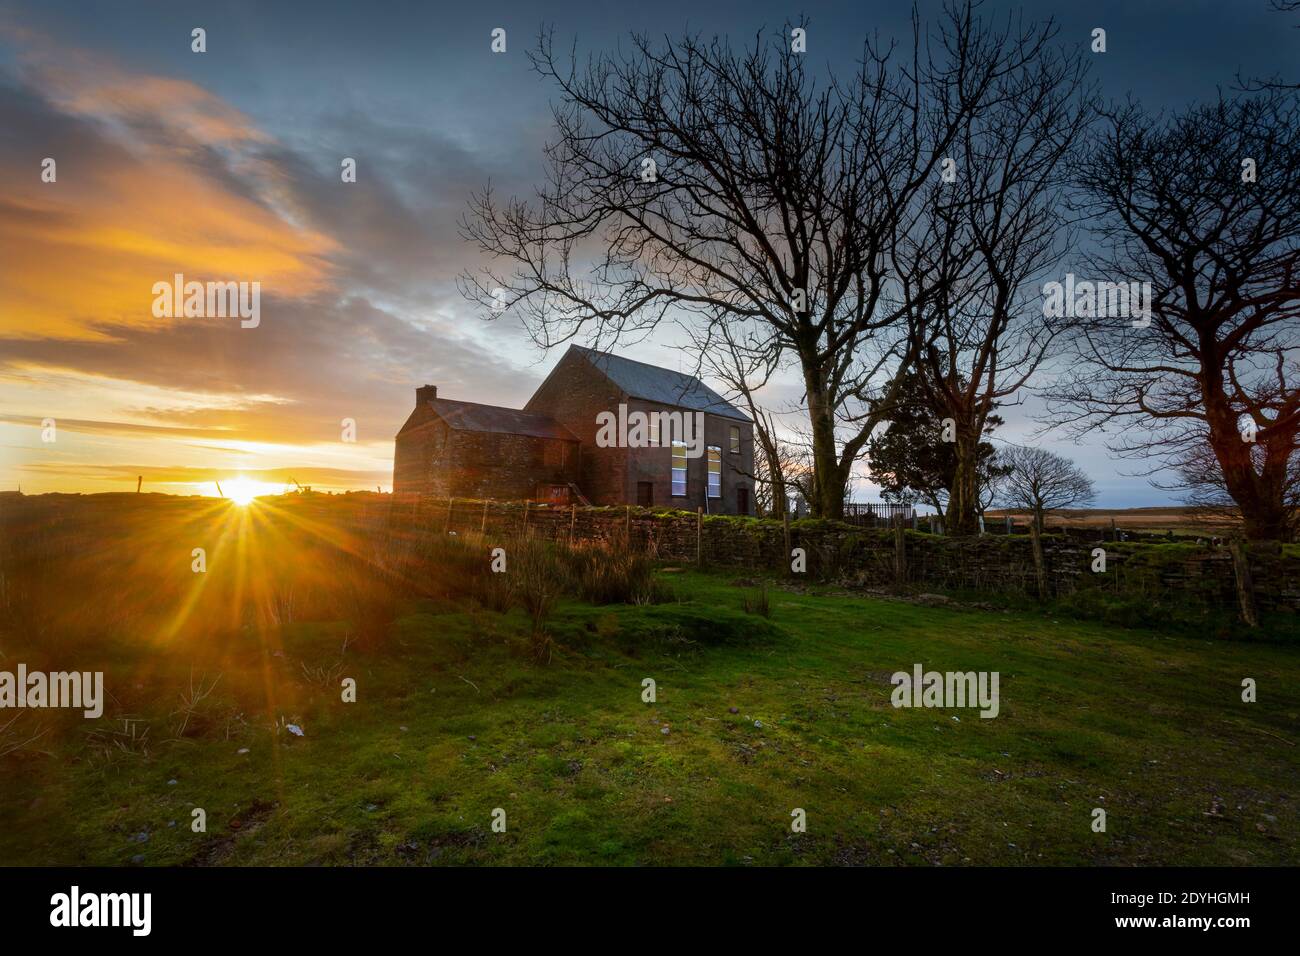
{"points": [[679, 468], [715, 471]]}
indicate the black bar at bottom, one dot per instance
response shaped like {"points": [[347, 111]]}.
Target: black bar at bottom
{"points": [[333, 906]]}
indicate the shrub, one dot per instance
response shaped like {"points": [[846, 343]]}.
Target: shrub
{"points": [[536, 580], [458, 566], [759, 603], [600, 574]]}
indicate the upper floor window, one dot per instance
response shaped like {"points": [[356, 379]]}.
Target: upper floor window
{"points": [[715, 471], [735, 439], [679, 468]]}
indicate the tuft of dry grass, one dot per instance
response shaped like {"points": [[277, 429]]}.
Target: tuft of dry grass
{"points": [[193, 700], [16, 739]]}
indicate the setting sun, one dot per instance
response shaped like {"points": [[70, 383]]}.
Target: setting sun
{"points": [[242, 491]]}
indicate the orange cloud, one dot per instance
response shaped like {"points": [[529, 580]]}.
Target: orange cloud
{"points": [[155, 176]]}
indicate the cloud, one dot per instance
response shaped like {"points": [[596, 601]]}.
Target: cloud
{"points": [[158, 176], [305, 367], [180, 475], [114, 428], [135, 201]]}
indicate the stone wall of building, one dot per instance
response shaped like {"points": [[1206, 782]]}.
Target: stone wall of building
{"points": [[574, 394], [434, 460]]}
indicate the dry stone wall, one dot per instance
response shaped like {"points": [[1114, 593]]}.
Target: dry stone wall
{"points": [[1200, 575]]}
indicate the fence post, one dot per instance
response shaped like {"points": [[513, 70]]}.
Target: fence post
{"points": [[446, 526], [627, 527], [483, 530], [785, 520], [573, 520], [1040, 563], [1245, 585], [1011, 525], [699, 533], [526, 504], [900, 554]]}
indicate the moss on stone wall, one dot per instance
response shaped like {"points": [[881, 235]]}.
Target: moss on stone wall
{"points": [[1158, 573]]}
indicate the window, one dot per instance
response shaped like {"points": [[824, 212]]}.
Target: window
{"points": [[735, 439], [679, 468], [715, 471]]}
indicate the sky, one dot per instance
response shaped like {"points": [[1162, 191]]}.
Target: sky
{"points": [[226, 165]]}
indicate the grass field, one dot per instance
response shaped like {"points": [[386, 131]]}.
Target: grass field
{"points": [[755, 716]]}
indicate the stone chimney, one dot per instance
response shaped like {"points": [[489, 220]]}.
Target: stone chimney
{"points": [[425, 393]]}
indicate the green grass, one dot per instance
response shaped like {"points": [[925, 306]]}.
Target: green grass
{"points": [[453, 719]]}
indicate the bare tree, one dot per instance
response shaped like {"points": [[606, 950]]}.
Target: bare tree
{"points": [[1000, 227], [1205, 206], [1203, 480], [797, 466], [1042, 482], [744, 365], [995, 475], [775, 477], [689, 179], [1274, 82]]}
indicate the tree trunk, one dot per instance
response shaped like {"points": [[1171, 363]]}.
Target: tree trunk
{"points": [[776, 480], [1261, 497], [828, 483], [779, 504], [963, 497]]}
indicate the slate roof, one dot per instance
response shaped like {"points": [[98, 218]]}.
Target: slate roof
{"points": [[654, 384], [471, 416]]}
